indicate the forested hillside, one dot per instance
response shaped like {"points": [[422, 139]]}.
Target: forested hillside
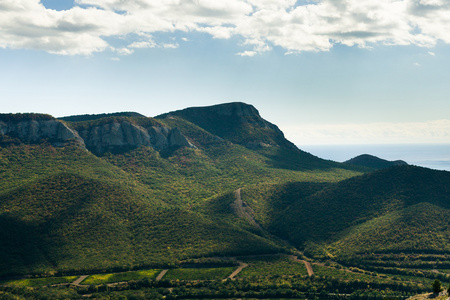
{"points": [[116, 192]]}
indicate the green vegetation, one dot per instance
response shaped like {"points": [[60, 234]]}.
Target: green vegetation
{"points": [[199, 273], [25, 117], [66, 211], [37, 282], [81, 118], [209, 284], [374, 162], [267, 266], [335, 213], [437, 286], [123, 276]]}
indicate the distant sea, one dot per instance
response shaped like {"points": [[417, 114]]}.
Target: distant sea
{"points": [[425, 155]]}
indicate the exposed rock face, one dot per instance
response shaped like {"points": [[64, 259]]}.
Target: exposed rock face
{"points": [[34, 131], [118, 136], [114, 136], [177, 139]]}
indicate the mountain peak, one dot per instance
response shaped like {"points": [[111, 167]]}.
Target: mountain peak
{"points": [[234, 108], [237, 122]]}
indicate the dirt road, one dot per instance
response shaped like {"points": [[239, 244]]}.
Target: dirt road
{"points": [[242, 265], [161, 275], [243, 212], [308, 266], [79, 280]]}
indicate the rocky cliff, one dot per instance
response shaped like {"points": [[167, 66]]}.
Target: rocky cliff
{"points": [[34, 128], [121, 134], [108, 135]]}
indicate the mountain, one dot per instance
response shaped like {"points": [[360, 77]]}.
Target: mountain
{"points": [[241, 124], [237, 122], [374, 162], [121, 191]]}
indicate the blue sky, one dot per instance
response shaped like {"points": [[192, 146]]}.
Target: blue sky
{"points": [[342, 71]]}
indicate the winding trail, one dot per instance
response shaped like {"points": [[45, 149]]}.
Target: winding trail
{"points": [[243, 212], [242, 265]]}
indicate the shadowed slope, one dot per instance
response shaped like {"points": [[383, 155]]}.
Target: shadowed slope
{"points": [[374, 162]]}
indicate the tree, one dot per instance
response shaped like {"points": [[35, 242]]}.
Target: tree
{"points": [[437, 286]]}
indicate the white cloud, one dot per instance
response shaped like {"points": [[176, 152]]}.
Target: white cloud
{"points": [[308, 26], [170, 45], [145, 44], [124, 51], [437, 131], [247, 53]]}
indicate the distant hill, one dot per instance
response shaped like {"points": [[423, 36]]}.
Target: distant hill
{"points": [[374, 162]]}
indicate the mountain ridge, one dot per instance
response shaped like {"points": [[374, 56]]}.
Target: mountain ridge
{"points": [[137, 201]]}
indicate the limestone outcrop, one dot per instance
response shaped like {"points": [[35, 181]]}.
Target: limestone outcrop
{"points": [[122, 135], [112, 135], [34, 131]]}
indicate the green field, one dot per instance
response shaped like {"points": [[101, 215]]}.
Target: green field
{"points": [[199, 273], [36, 282], [123, 276], [272, 265]]}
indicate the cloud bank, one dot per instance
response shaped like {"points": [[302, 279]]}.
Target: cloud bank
{"points": [[433, 132], [295, 26]]}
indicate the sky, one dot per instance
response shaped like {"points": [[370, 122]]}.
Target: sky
{"points": [[324, 71]]}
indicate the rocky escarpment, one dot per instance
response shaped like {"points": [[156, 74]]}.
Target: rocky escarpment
{"points": [[34, 128], [106, 135], [122, 135]]}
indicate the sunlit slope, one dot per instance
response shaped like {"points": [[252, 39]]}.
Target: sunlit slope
{"points": [[419, 228]]}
